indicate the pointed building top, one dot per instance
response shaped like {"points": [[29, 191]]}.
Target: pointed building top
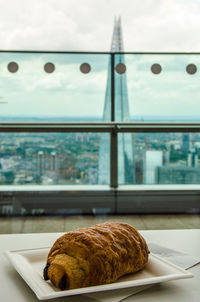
{"points": [[117, 42]]}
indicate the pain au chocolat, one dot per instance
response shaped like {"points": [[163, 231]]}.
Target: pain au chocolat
{"points": [[96, 255]]}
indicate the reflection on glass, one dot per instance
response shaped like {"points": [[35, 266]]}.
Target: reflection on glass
{"points": [[165, 158], [49, 158]]}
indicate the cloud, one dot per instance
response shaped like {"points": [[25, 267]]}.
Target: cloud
{"points": [[86, 25]]}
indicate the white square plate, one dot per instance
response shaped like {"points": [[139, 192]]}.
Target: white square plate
{"points": [[29, 264]]}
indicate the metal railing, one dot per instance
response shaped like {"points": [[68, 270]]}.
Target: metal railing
{"points": [[113, 127]]}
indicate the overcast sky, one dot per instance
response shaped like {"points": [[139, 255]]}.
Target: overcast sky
{"points": [[87, 25], [148, 25]]}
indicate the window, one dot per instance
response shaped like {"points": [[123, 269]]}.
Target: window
{"points": [[110, 131]]}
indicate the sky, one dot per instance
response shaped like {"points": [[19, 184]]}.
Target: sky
{"points": [[86, 25]]}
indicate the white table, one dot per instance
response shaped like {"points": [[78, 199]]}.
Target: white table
{"points": [[13, 288]]}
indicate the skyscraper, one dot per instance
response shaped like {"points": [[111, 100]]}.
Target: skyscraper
{"points": [[126, 169], [186, 142], [40, 162], [153, 159], [53, 164]]}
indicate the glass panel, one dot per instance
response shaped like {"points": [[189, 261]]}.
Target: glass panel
{"points": [[161, 87], [51, 158], [159, 158], [45, 87]]}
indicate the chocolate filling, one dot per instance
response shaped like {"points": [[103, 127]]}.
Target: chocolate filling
{"points": [[63, 283], [45, 272]]}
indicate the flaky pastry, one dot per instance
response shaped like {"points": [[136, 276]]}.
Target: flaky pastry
{"points": [[96, 255]]}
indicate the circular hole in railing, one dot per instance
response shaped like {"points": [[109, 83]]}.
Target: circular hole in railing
{"points": [[156, 68], [191, 68], [120, 68], [85, 68], [49, 67], [13, 67]]}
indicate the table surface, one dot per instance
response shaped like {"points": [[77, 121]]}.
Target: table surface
{"points": [[14, 288]]}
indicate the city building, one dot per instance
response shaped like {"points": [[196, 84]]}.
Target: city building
{"points": [[177, 175], [186, 142], [126, 166], [40, 163], [192, 159], [153, 160], [53, 164]]}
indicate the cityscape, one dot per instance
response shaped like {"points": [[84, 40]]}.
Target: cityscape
{"points": [[84, 158], [73, 158]]}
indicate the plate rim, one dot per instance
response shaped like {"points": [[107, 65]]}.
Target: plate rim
{"points": [[41, 292]]}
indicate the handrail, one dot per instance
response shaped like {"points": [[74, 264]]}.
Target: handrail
{"points": [[101, 127], [100, 52]]}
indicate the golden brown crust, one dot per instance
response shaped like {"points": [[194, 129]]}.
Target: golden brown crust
{"points": [[97, 255]]}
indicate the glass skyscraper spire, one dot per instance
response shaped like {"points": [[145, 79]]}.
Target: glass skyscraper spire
{"points": [[126, 171]]}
